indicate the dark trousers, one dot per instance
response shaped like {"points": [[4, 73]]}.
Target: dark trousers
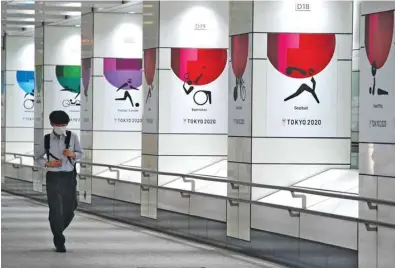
{"points": [[62, 201]]}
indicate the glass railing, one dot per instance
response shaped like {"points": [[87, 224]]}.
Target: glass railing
{"points": [[205, 216]]}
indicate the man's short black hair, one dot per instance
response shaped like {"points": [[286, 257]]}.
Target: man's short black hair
{"points": [[59, 118]]}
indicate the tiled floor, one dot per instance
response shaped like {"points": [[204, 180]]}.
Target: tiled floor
{"points": [[94, 242]]}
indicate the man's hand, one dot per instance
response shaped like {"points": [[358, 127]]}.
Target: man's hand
{"points": [[68, 153], [54, 164]]}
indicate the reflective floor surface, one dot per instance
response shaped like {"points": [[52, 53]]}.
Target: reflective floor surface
{"points": [[26, 241]]}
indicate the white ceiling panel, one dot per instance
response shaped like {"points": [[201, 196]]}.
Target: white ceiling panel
{"points": [[19, 17]]}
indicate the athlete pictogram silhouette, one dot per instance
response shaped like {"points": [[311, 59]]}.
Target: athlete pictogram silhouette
{"points": [[239, 85], [71, 102], [188, 90], [189, 82], [303, 87], [149, 95], [29, 102], [126, 95], [372, 90]]}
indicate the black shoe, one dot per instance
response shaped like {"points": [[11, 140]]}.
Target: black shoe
{"points": [[61, 249]]}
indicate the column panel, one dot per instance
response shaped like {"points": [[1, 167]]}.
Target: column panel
{"points": [[112, 101], [355, 85], [39, 94], [85, 186], [302, 73], [57, 83], [193, 57], [187, 43], [19, 94], [149, 196], [301, 100], [240, 116], [117, 80], [3, 99], [377, 129], [62, 74]]}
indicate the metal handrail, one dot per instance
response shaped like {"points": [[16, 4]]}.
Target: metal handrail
{"points": [[370, 225], [289, 208], [326, 190], [369, 201], [249, 184], [246, 201]]}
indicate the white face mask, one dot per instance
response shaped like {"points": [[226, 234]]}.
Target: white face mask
{"points": [[59, 130]]}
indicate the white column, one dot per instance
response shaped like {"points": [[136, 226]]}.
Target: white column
{"points": [[112, 96], [3, 99], [185, 117], [3, 82], [355, 83], [240, 114], [58, 72], [58, 64], [377, 131], [279, 138], [19, 94]]}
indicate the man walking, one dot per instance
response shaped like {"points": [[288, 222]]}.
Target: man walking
{"points": [[61, 148]]}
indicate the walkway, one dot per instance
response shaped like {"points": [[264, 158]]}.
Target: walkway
{"points": [[93, 242]]}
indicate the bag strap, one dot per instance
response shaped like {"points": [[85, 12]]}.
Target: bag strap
{"points": [[67, 143], [68, 138], [47, 144]]}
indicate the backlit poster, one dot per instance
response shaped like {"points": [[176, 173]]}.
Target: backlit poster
{"points": [[2, 95], [377, 78], [151, 95], [117, 95], [197, 91], [2, 83], [302, 85], [240, 86], [2, 102], [20, 98], [38, 97], [62, 91], [86, 96]]}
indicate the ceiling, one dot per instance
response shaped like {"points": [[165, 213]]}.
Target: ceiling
{"points": [[20, 17]]}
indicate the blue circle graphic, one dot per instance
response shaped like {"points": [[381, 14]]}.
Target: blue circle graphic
{"points": [[25, 81]]}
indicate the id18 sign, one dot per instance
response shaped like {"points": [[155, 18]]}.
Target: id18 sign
{"points": [[302, 7]]}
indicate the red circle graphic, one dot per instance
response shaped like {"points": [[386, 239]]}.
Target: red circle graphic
{"points": [[201, 66], [378, 36], [239, 54], [300, 55], [149, 65]]}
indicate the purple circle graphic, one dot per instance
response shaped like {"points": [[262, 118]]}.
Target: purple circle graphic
{"points": [[123, 74]]}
